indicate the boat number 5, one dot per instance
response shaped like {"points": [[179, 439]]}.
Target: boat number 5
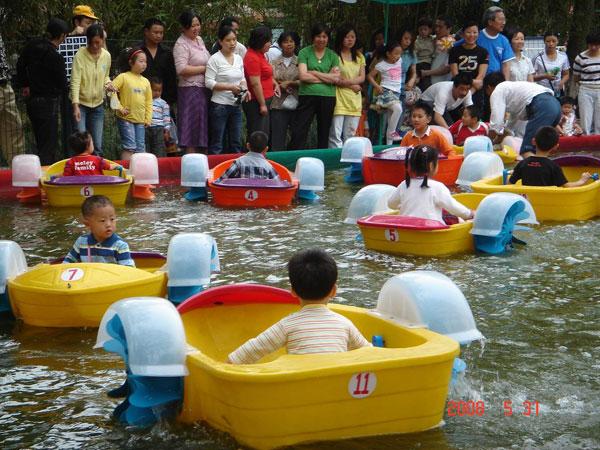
{"points": [[250, 195], [87, 191], [362, 384], [391, 234], [73, 274]]}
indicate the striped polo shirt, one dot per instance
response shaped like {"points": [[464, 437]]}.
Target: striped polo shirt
{"points": [[113, 250], [251, 165], [588, 69], [313, 329]]}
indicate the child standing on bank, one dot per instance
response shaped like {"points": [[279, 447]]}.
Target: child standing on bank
{"points": [[85, 162], [159, 130], [313, 329], [388, 92], [420, 196], [133, 104], [469, 125], [424, 50], [102, 244]]}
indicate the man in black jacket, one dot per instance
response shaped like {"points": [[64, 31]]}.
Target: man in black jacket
{"points": [[160, 59], [41, 74]]}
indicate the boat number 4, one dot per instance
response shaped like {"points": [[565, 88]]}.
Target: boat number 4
{"points": [[250, 195], [362, 384], [73, 274], [391, 234], [87, 191]]}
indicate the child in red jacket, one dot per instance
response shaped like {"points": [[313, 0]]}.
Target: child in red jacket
{"points": [[469, 125]]}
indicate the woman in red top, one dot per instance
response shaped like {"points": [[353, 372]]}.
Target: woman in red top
{"points": [[262, 85]]}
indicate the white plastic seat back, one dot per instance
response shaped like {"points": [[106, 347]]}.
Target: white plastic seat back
{"points": [[369, 200], [477, 144], [492, 210], [26, 171], [194, 170], [513, 142], [144, 168], [479, 165], [155, 336], [355, 149], [445, 132], [191, 258], [310, 173], [429, 299], [12, 262]]}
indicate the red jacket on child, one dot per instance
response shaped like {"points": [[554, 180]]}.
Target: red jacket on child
{"points": [[85, 165], [460, 132]]}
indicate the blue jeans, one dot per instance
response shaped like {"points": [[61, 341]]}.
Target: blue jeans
{"points": [[544, 110], [133, 136], [92, 120], [225, 120]]}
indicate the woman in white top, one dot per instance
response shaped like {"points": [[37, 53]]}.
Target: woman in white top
{"points": [[225, 77], [521, 67], [586, 70], [551, 66]]}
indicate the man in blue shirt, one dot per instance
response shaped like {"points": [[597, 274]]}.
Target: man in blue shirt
{"points": [[497, 45]]}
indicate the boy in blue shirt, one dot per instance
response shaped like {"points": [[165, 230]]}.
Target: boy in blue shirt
{"points": [[102, 244]]}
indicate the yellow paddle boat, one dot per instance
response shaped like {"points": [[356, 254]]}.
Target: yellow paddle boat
{"points": [[78, 294], [555, 203], [505, 152], [287, 399]]}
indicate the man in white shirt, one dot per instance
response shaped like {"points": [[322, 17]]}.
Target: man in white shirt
{"points": [[448, 98], [523, 101]]}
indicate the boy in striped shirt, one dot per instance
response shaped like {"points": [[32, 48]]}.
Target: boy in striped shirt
{"points": [[102, 244], [313, 329]]}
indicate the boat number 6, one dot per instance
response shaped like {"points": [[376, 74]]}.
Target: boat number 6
{"points": [[362, 384], [87, 191], [391, 234], [73, 274], [250, 195]]}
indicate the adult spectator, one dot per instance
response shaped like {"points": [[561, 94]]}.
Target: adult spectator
{"points": [[286, 74], [440, 69], [348, 103], [448, 98], [259, 76], [11, 130], [191, 56], [41, 74], [319, 71], [83, 18], [225, 77], [523, 101], [521, 67], [492, 39], [551, 65], [470, 58], [234, 23], [377, 40], [160, 63], [586, 70], [89, 79]]}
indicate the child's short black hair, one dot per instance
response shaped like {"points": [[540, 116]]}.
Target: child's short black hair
{"points": [[425, 22], [93, 202], [473, 111], [426, 107], [156, 80], [258, 141], [568, 101], [78, 142], [312, 273], [546, 138], [419, 159]]}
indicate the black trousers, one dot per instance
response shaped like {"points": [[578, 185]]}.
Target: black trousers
{"points": [[281, 119], [68, 126], [254, 120], [308, 107], [43, 113]]}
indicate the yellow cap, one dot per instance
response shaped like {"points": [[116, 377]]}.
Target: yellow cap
{"points": [[84, 10]]}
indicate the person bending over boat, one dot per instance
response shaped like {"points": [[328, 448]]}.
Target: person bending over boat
{"points": [[313, 329], [539, 170], [423, 197], [84, 162], [101, 244], [253, 164]]}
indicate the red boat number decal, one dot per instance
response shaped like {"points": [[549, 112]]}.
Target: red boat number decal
{"points": [[87, 191], [250, 195], [391, 234], [73, 274], [362, 384]]}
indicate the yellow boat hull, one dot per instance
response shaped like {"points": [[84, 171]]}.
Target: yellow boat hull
{"points": [[287, 399], [398, 241], [74, 195], [552, 203], [507, 154], [77, 295]]}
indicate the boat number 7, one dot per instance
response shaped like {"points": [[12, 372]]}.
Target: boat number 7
{"points": [[362, 384], [73, 274], [391, 234]]}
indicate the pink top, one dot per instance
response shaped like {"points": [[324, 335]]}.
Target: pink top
{"points": [[189, 52]]}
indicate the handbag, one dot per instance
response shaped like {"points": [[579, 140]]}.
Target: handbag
{"points": [[290, 102]]}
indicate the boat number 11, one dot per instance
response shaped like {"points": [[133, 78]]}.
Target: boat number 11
{"points": [[362, 384]]}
